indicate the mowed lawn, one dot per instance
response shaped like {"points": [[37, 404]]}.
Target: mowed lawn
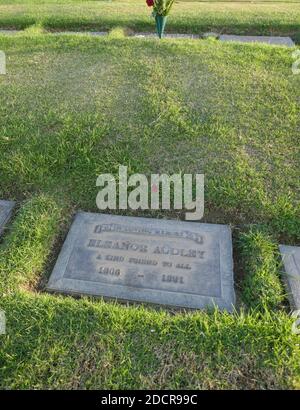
{"points": [[73, 107], [268, 18]]}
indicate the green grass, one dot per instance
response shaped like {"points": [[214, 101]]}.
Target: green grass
{"points": [[268, 18], [262, 287], [77, 106], [25, 252], [85, 105], [76, 344]]}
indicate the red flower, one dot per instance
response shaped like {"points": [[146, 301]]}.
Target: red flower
{"points": [[150, 3]]}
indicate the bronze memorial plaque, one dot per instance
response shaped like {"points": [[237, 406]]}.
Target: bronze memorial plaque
{"points": [[183, 264], [291, 261]]}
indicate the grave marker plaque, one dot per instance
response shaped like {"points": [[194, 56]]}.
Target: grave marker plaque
{"points": [[274, 40], [6, 208], [291, 260], [182, 264]]}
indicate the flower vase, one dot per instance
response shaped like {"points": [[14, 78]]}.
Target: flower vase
{"points": [[160, 24]]}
